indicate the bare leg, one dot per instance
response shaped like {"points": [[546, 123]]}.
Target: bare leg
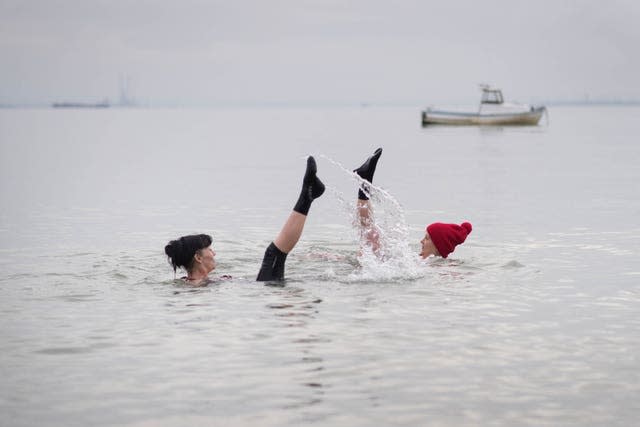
{"points": [[312, 188], [291, 232], [369, 231]]}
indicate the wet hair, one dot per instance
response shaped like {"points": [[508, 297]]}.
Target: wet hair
{"points": [[181, 251]]}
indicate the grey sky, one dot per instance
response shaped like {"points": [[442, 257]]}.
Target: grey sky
{"points": [[194, 52]]}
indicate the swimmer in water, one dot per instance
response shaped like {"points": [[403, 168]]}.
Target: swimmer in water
{"points": [[439, 240], [195, 254]]}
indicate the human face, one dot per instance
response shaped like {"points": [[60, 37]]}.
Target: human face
{"points": [[206, 258], [428, 248]]}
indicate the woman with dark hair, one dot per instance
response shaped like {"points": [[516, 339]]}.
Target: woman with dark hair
{"points": [[439, 239], [195, 255]]}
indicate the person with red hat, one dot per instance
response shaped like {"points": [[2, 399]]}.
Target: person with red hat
{"points": [[440, 239]]}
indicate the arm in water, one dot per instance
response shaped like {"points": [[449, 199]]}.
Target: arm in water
{"points": [[368, 230], [276, 254]]}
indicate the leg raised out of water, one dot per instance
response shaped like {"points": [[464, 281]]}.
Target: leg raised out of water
{"points": [[275, 255], [369, 232]]}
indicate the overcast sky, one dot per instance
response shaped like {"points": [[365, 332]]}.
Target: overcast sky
{"points": [[192, 52]]}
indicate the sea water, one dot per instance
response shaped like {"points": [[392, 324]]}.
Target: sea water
{"points": [[534, 320]]}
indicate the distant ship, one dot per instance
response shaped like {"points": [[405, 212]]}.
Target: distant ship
{"points": [[103, 104], [492, 111]]}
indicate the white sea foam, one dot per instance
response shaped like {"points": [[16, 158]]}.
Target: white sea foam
{"points": [[394, 259]]}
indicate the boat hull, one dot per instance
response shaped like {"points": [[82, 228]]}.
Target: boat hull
{"points": [[525, 118]]}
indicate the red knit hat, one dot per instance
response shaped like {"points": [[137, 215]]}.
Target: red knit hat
{"points": [[447, 236]]}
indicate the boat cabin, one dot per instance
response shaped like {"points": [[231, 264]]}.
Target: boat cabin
{"points": [[491, 96]]}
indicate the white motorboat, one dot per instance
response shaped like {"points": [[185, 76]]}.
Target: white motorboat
{"points": [[492, 111]]}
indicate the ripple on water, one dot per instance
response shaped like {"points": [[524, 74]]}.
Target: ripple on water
{"points": [[512, 264], [64, 350]]}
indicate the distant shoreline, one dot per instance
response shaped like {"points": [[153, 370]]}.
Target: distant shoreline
{"points": [[102, 106]]}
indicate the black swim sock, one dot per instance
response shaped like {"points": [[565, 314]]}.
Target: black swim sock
{"points": [[366, 172], [272, 264], [312, 188]]}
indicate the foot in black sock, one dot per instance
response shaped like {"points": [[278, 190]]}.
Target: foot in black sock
{"points": [[312, 187], [366, 172]]}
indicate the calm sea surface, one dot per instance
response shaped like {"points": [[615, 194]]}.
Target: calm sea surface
{"points": [[535, 320]]}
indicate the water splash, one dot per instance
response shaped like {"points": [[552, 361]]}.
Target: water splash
{"points": [[394, 258]]}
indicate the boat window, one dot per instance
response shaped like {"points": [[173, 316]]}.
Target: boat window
{"points": [[492, 97]]}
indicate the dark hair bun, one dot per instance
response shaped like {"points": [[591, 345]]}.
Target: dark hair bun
{"points": [[181, 251], [170, 249]]}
